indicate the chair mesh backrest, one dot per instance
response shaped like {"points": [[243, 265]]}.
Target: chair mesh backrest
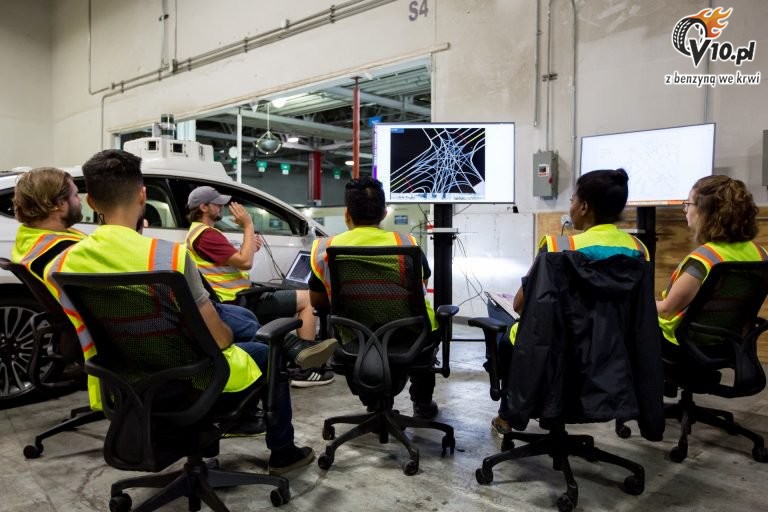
{"points": [[375, 286], [138, 330], [38, 290], [730, 298]]}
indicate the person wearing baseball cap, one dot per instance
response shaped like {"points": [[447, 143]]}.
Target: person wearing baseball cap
{"points": [[226, 267], [206, 195]]}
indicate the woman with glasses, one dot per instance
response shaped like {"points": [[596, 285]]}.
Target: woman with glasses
{"points": [[723, 218]]}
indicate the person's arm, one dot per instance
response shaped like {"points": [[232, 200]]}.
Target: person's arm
{"points": [[243, 259], [517, 302], [682, 292], [219, 330]]}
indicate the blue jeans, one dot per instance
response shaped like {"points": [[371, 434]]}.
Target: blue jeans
{"points": [[243, 322], [244, 326]]}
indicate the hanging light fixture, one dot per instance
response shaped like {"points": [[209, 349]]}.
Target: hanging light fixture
{"points": [[269, 143]]}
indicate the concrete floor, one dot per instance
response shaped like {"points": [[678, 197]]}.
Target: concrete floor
{"points": [[719, 474]]}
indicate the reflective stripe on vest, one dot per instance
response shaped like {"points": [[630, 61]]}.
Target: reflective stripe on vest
{"points": [[361, 237], [598, 242], [225, 280], [708, 255], [31, 243]]}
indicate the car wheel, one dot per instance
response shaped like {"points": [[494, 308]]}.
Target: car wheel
{"points": [[16, 345]]}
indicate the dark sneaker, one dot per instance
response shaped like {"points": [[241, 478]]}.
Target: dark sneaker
{"points": [[499, 426], [296, 458], [425, 410], [308, 354], [254, 426], [310, 377]]}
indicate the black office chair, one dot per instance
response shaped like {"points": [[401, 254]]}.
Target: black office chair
{"points": [[719, 331], [162, 376], [577, 359], [379, 316], [56, 350]]}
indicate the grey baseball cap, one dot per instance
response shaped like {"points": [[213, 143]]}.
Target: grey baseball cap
{"points": [[205, 195]]}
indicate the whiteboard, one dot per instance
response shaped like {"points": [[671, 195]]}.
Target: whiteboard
{"points": [[662, 164]]}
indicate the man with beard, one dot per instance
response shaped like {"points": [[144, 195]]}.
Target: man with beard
{"points": [[226, 267], [46, 203]]}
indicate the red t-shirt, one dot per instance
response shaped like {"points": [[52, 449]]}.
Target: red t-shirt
{"points": [[212, 246]]}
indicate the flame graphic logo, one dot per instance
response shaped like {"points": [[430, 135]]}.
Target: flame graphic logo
{"points": [[709, 22]]}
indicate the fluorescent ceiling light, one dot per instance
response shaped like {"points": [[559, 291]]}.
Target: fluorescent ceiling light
{"points": [[292, 138], [349, 162], [279, 102]]}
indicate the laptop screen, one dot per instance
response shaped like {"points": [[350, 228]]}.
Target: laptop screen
{"points": [[301, 269]]}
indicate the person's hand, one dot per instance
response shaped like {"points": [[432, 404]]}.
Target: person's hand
{"points": [[240, 214], [257, 242]]}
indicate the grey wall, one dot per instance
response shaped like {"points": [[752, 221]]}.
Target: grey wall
{"points": [[26, 89], [483, 68]]}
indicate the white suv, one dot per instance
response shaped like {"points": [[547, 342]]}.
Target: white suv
{"points": [[171, 170]]}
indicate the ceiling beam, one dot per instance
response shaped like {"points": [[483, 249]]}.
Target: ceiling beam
{"points": [[291, 125], [367, 97]]}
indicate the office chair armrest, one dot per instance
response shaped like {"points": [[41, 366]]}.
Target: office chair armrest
{"points": [[491, 330], [273, 334], [444, 314], [44, 325]]}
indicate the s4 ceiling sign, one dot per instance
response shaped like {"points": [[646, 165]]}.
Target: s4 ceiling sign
{"points": [[697, 36]]}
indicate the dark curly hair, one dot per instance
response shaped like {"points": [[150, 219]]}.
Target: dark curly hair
{"points": [[605, 191], [726, 210]]}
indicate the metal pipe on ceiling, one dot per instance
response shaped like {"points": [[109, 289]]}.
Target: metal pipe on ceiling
{"points": [[367, 97]]}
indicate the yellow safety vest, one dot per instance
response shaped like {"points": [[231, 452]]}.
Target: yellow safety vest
{"points": [[225, 280], [598, 243], [366, 236], [31, 243], [117, 249], [709, 255]]}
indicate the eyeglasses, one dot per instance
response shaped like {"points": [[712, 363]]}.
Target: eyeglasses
{"points": [[686, 204]]}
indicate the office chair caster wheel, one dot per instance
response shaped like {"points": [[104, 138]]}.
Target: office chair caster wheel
{"points": [[279, 496], [507, 444], [329, 433], [760, 454], [565, 503], [325, 461], [483, 477], [634, 485], [411, 467], [623, 431], [33, 451], [120, 503], [448, 443], [677, 454]]}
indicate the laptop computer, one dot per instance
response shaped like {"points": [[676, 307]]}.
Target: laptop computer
{"points": [[297, 277]]}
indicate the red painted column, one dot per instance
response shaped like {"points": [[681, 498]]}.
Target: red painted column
{"points": [[315, 176], [356, 130]]}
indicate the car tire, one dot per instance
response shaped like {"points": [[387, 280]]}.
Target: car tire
{"points": [[16, 345]]}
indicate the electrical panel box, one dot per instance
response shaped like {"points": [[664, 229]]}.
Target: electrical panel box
{"points": [[545, 174]]}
